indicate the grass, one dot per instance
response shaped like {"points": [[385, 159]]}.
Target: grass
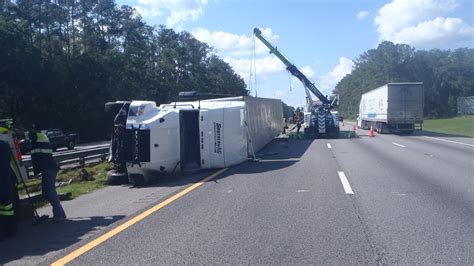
{"points": [[77, 181], [461, 125], [295, 135], [345, 134]]}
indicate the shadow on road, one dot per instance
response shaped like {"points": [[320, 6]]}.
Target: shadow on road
{"points": [[42, 239], [271, 157], [279, 154]]}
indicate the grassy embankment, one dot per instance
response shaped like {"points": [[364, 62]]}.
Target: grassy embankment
{"points": [[77, 181], [460, 125]]}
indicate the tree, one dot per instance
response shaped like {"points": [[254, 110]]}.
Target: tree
{"points": [[66, 58], [446, 75]]}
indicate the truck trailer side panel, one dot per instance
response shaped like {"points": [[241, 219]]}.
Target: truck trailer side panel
{"points": [[264, 119]]}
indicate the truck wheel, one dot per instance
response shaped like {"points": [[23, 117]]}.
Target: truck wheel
{"points": [[115, 178], [71, 145]]}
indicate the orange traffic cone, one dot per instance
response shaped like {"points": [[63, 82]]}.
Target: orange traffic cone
{"points": [[354, 127], [371, 134]]}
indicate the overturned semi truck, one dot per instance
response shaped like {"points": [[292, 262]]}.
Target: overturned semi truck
{"points": [[191, 135]]}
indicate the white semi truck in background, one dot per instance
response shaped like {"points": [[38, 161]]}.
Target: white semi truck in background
{"points": [[394, 107], [191, 134]]}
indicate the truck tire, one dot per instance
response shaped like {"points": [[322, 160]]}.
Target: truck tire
{"points": [[71, 144], [115, 178]]}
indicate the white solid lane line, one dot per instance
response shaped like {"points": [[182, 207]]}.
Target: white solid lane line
{"points": [[456, 142], [399, 145], [329, 146], [345, 183]]}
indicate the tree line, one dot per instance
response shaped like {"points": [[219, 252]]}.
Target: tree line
{"points": [[63, 59], [446, 75]]}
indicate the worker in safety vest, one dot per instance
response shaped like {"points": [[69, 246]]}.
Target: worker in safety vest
{"points": [[298, 119], [44, 164], [8, 224]]}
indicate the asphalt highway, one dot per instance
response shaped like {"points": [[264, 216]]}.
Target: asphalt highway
{"points": [[387, 199]]}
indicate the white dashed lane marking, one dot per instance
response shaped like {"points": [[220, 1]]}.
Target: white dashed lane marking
{"points": [[399, 145], [345, 183]]}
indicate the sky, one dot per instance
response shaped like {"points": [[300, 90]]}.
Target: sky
{"points": [[320, 37]]}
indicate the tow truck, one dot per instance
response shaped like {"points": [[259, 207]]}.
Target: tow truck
{"points": [[319, 122]]}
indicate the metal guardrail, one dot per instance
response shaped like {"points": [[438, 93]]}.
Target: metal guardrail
{"points": [[74, 157]]}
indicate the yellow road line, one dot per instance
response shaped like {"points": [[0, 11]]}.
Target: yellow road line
{"points": [[94, 243]]}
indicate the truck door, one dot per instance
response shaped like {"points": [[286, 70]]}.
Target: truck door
{"points": [[190, 153]]}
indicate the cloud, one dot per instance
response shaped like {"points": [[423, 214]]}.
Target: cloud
{"points": [[308, 71], [277, 94], [264, 66], [422, 23], [179, 11], [330, 80], [362, 14], [434, 31], [230, 44]]}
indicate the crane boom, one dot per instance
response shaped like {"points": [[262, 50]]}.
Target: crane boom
{"points": [[293, 69]]}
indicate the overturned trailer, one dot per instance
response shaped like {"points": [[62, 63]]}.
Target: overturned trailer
{"points": [[198, 134]]}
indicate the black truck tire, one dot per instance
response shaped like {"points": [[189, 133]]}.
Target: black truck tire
{"points": [[115, 178]]}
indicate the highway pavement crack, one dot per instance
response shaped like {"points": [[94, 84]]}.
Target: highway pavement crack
{"points": [[380, 253]]}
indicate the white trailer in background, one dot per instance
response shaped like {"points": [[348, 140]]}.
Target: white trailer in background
{"points": [[394, 107], [197, 135]]}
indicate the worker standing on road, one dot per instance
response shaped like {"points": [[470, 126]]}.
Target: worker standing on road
{"points": [[7, 213], [298, 117], [43, 162]]}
